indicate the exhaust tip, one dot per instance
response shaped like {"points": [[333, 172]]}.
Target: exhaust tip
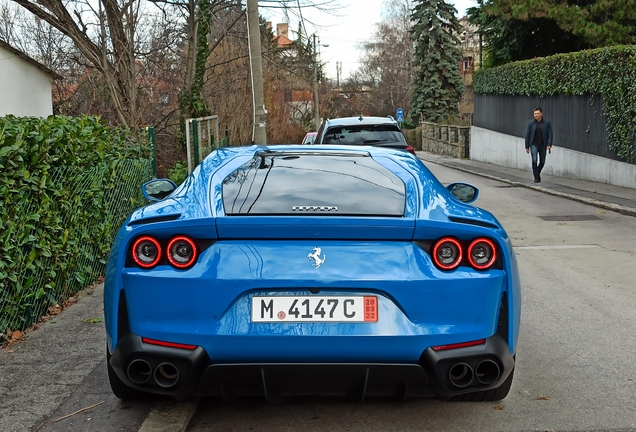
{"points": [[139, 371], [166, 375], [461, 375], [487, 372]]}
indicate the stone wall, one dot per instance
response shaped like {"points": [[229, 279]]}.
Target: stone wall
{"points": [[447, 140]]}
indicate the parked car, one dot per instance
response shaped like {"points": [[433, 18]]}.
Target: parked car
{"points": [[291, 270], [373, 131], [309, 138]]}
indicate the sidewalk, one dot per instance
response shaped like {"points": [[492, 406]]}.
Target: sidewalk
{"points": [[614, 198], [40, 372]]}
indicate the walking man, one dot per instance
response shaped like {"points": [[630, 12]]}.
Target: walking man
{"points": [[538, 140]]}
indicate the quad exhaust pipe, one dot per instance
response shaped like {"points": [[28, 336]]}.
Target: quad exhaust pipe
{"points": [[166, 374], [139, 371], [487, 372], [461, 375]]}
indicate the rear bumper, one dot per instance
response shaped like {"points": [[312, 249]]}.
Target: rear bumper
{"points": [[437, 373]]}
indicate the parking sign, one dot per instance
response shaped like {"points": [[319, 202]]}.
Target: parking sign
{"points": [[400, 115]]}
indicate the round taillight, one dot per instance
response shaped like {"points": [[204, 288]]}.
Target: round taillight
{"points": [[482, 254], [182, 252], [447, 253], [146, 252]]}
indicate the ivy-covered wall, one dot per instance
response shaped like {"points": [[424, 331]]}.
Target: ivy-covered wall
{"points": [[609, 72], [66, 185]]}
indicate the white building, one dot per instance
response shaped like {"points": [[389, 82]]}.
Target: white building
{"points": [[26, 84]]}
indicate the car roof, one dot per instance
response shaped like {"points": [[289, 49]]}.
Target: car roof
{"points": [[360, 120], [217, 166]]}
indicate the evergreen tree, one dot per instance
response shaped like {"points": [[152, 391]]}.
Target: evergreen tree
{"points": [[523, 29], [437, 86], [598, 22], [507, 39]]}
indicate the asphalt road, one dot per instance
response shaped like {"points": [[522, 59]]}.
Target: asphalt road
{"points": [[575, 368]]}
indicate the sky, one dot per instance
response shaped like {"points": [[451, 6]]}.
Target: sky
{"points": [[353, 25]]}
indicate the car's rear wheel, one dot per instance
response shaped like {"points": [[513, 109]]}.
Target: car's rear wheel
{"points": [[487, 395], [119, 388]]}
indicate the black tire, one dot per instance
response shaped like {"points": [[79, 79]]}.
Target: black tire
{"points": [[487, 395], [120, 389]]}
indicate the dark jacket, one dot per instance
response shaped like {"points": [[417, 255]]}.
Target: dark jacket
{"points": [[547, 132]]}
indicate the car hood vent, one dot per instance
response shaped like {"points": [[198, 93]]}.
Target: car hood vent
{"points": [[155, 219], [473, 222]]}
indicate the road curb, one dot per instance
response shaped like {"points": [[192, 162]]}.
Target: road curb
{"points": [[170, 416], [628, 211]]}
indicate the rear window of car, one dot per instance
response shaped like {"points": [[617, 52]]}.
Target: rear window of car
{"points": [[309, 139], [363, 135], [284, 183]]}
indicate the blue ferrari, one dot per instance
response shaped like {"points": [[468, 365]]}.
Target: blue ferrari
{"points": [[302, 270]]}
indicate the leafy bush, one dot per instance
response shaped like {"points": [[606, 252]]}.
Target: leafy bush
{"points": [[610, 72], [414, 137], [179, 172], [66, 184], [409, 124]]}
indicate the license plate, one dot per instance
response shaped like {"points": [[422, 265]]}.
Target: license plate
{"points": [[315, 309]]}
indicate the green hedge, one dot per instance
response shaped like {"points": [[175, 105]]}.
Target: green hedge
{"points": [[414, 137], [610, 72], [66, 184]]}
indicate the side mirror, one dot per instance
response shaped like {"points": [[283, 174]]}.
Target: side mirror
{"points": [[156, 190], [464, 192]]}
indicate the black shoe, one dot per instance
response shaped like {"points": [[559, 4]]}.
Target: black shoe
{"points": [[537, 180]]}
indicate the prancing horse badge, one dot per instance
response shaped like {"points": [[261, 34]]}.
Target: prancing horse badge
{"points": [[316, 257]]}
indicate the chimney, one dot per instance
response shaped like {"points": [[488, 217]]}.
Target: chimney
{"points": [[282, 29]]}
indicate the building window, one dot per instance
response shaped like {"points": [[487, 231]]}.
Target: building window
{"points": [[467, 64]]}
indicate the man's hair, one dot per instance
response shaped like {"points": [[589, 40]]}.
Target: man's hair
{"points": [[538, 109]]}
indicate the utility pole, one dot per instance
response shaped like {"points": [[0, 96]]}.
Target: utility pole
{"points": [[316, 109], [259, 135]]}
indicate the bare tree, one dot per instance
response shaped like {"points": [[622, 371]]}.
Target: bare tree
{"points": [[130, 60], [387, 60], [105, 36]]}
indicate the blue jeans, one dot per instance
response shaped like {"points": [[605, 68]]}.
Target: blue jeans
{"points": [[540, 153]]}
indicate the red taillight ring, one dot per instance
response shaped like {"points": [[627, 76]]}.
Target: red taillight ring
{"points": [[186, 264], [141, 263], [455, 263], [492, 259]]}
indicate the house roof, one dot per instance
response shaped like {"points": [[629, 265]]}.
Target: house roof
{"points": [[283, 41], [28, 59]]}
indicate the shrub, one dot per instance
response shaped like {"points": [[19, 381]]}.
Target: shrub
{"points": [[179, 172], [610, 72], [66, 184]]}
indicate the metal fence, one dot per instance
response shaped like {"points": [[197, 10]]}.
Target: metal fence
{"points": [[88, 228], [578, 122], [202, 138]]}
